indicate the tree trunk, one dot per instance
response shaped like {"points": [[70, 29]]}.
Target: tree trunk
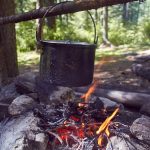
{"points": [[125, 15], [39, 22], [96, 15], [105, 27], [8, 54], [60, 16], [51, 21]]}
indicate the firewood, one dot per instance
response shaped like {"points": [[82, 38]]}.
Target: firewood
{"points": [[128, 98]]}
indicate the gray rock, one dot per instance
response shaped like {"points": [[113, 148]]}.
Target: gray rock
{"points": [[42, 141], [7, 95], [145, 109], [108, 104], [141, 129], [33, 95], [62, 94], [49, 94], [3, 111], [141, 71], [26, 83], [21, 104], [127, 116], [22, 133], [142, 58], [125, 143]]}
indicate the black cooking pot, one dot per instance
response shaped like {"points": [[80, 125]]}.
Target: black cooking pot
{"points": [[67, 63]]}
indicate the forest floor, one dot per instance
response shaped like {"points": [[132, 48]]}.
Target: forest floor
{"points": [[112, 67]]}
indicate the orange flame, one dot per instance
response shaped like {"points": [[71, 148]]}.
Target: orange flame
{"points": [[90, 91], [106, 122], [93, 87], [107, 131], [104, 127], [100, 140]]}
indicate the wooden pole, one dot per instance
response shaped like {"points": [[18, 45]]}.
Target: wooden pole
{"points": [[62, 8]]}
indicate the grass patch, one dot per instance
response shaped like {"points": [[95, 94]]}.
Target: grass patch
{"points": [[119, 51], [32, 58], [28, 58]]}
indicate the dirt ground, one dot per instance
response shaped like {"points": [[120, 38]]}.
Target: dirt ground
{"points": [[112, 72], [115, 72]]}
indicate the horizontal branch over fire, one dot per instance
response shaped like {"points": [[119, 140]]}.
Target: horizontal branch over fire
{"points": [[63, 8]]}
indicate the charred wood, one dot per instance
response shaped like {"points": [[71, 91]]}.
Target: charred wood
{"points": [[128, 98]]}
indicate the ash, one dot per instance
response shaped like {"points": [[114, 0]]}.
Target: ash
{"points": [[73, 125]]}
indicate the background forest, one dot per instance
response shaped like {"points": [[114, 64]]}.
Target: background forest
{"points": [[127, 24], [121, 29]]}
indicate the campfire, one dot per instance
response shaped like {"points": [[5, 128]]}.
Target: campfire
{"points": [[80, 124], [68, 120], [60, 118]]}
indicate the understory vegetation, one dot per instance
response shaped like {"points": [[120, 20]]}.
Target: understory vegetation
{"points": [[131, 29]]}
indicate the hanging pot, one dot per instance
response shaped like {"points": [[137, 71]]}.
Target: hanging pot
{"points": [[67, 63]]}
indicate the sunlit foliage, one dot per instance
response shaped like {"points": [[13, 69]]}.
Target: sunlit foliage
{"points": [[79, 26]]}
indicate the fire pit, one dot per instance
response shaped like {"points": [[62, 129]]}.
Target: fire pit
{"points": [[78, 125], [68, 121]]}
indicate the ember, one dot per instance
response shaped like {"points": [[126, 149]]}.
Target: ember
{"points": [[80, 124], [78, 128]]}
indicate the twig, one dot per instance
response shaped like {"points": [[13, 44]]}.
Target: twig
{"points": [[56, 123], [56, 135], [90, 143], [108, 139]]}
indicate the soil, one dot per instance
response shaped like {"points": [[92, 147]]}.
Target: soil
{"points": [[114, 72]]}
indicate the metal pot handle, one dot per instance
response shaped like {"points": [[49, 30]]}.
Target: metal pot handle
{"points": [[39, 36]]}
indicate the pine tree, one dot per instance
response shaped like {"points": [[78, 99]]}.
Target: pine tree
{"points": [[8, 54]]}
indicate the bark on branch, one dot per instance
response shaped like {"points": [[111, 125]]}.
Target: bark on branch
{"points": [[128, 98], [63, 8]]}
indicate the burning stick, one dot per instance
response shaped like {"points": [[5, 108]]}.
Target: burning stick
{"points": [[56, 136], [104, 127], [106, 122]]}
